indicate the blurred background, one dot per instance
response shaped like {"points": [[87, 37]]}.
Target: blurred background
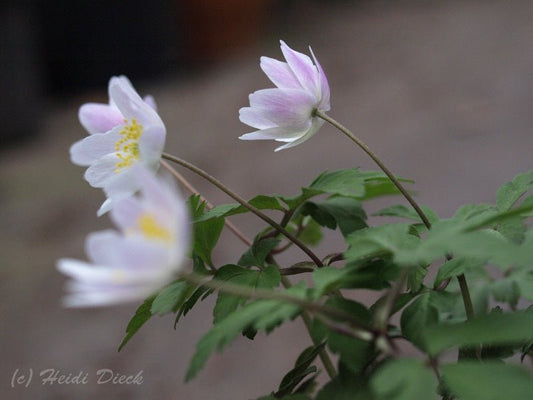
{"points": [[441, 90]]}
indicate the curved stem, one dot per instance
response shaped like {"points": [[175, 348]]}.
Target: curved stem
{"points": [[462, 281], [208, 205], [245, 204], [380, 164], [360, 330]]}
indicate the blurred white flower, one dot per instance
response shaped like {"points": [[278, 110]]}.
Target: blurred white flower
{"points": [[134, 262], [122, 134], [285, 113]]}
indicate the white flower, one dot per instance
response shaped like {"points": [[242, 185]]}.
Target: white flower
{"points": [[122, 134], [286, 113], [136, 261]]}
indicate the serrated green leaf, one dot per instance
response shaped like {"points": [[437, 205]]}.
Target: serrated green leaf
{"points": [[385, 240], [228, 303], [404, 379], [258, 314], [170, 297], [261, 202], [311, 234], [344, 182], [511, 192], [402, 211], [491, 329], [456, 266], [346, 386], [206, 233], [256, 255], [302, 368], [142, 314], [488, 381], [342, 211], [419, 314]]}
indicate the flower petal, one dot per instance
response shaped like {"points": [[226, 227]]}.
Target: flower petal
{"points": [[130, 103], [151, 145], [277, 133], [101, 170], [317, 123], [279, 73], [252, 117], [284, 107], [99, 118], [303, 68], [86, 151], [324, 104]]}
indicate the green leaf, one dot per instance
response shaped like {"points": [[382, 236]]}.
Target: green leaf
{"points": [[228, 303], [402, 211], [311, 234], [256, 255], [456, 266], [346, 386], [378, 184], [511, 192], [206, 233], [261, 202], [385, 240], [404, 379], [258, 314], [488, 381], [419, 314], [169, 298], [302, 368], [344, 182], [142, 315], [491, 329], [342, 211]]}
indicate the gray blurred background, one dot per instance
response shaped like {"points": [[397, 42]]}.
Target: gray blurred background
{"points": [[441, 90]]}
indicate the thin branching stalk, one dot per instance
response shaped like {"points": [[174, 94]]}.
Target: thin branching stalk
{"points": [[245, 204]]}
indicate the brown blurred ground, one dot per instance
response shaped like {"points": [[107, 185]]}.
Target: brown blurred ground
{"points": [[442, 91]]}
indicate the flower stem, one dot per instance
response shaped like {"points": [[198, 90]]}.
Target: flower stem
{"points": [[359, 329], [380, 164], [323, 354], [245, 204], [461, 278], [193, 190]]}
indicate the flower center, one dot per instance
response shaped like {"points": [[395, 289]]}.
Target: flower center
{"points": [[151, 228], [127, 147]]}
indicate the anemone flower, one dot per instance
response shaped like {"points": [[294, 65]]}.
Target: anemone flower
{"points": [[123, 134], [138, 259], [286, 113]]}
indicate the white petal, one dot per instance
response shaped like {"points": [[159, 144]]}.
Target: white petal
{"points": [[151, 145], [101, 170], [317, 123], [284, 107], [106, 206], [280, 134], [99, 118], [279, 73], [130, 103], [122, 183], [126, 212], [252, 117], [88, 150], [151, 102], [303, 68], [324, 104]]}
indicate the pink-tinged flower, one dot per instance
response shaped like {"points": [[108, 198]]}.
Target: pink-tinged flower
{"points": [[286, 113], [123, 134], [138, 259]]}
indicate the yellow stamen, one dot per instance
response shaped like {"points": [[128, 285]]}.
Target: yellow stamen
{"points": [[152, 229], [127, 147]]}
